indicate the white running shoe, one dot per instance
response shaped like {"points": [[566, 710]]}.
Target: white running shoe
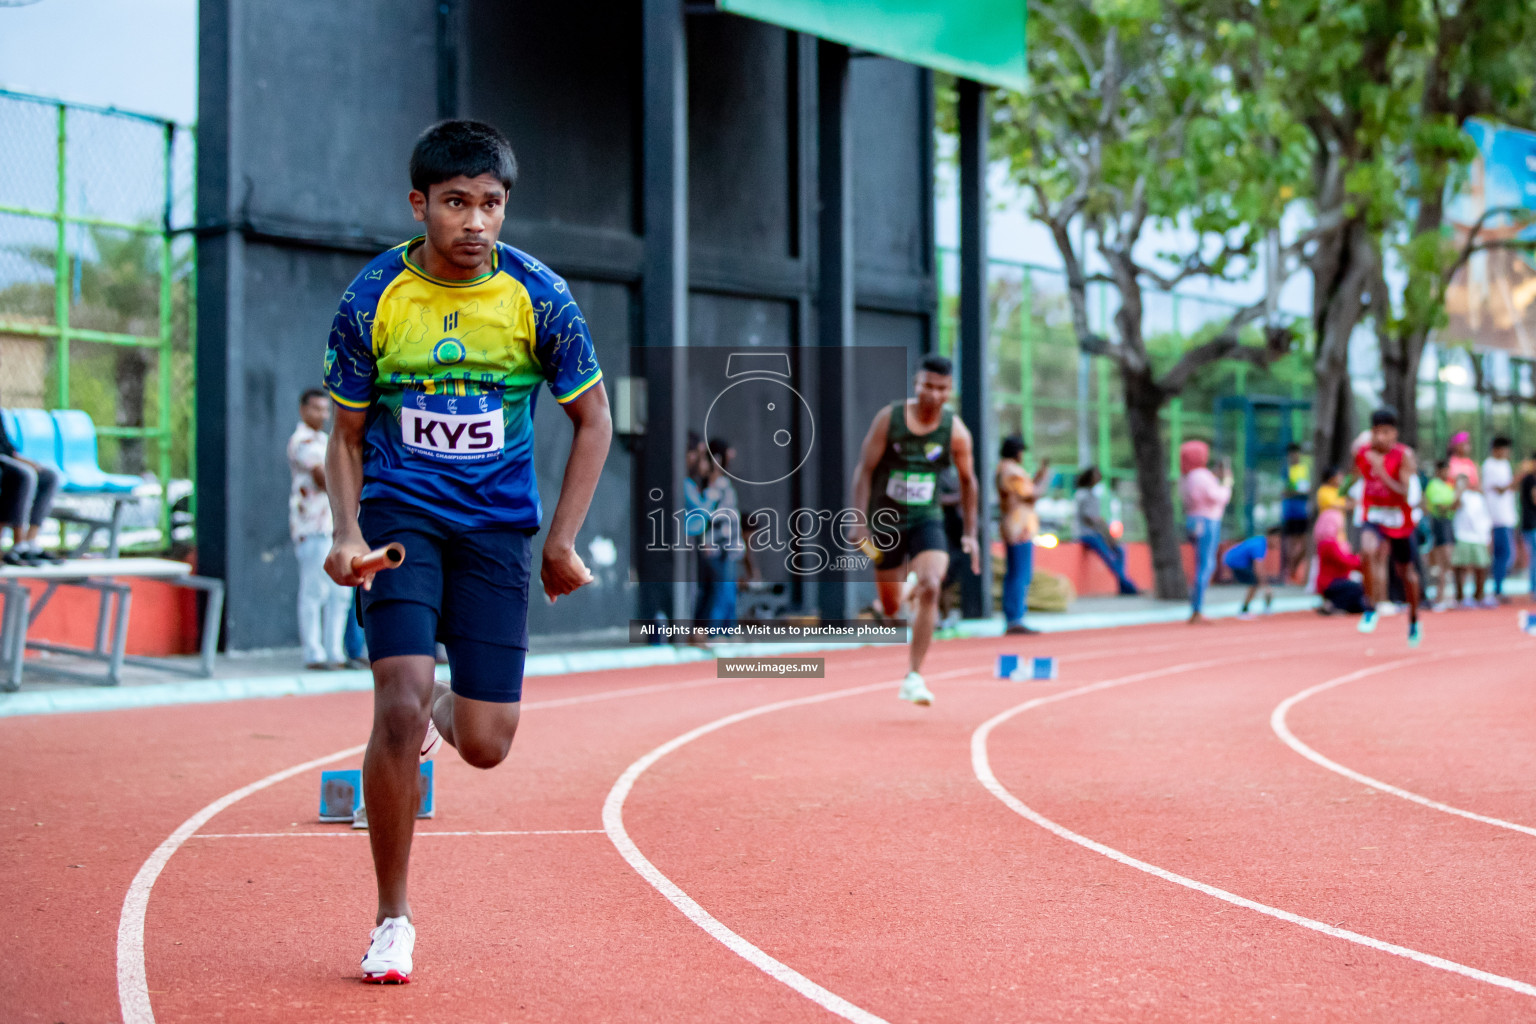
{"points": [[915, 690], [431, 741], [360, 816], [388, 959]]}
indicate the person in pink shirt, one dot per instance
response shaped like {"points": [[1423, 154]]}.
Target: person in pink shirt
{"points": [[1205, 500], [1460, 458], [1335, 562]]}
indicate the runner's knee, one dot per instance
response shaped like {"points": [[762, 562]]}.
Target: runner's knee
{"points": [[484, 751]]}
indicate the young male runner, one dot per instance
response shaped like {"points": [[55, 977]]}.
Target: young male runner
{"points": [[907, 446], [434, 362], [1386, 468]]}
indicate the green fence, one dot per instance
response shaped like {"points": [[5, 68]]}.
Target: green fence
{"points": [[97, 280]]}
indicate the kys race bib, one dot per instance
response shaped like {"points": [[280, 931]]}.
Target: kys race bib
{"points": [[453, 428], [910, 488]]}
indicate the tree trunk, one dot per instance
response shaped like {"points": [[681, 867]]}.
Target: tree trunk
{"points": [[1143, 401], [1342, 272], [1400, 387]]}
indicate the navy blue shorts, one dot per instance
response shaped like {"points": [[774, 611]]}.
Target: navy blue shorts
{"points": [[465, 588], [1248, 575]]}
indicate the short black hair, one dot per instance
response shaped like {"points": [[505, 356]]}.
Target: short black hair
{"points": [[937, 364], [1085, 478], [310, 393], [1012, 447], [718, 447], [471, 148], [1331, 472], [1386, 416], [1292, 448], [1500, 441]]}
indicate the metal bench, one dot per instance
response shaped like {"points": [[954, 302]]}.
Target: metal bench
{"points": [[104, 576]]}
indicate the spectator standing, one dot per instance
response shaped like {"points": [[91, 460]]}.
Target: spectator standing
{"points": [[721, 548], [1528, 518], [1460, 457], [1503, 512], [1331, 493], [1474, 534], [1093, 532], [1440, 507], [1294, 513], [1018, 524], [1336, 563], [27, 490], [1205, 500], [324, 605]]}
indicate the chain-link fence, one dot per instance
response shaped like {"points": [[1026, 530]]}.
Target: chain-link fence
{"points": [[97, 284]]}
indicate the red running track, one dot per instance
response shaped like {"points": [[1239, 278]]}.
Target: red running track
{"points": [[846, 843]]}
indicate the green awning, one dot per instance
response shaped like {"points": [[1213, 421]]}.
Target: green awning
{"points": [[979, 39]]}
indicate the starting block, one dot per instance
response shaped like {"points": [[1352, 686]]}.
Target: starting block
{"points": [[341, 794], [1528, 623], [1011, 666]]}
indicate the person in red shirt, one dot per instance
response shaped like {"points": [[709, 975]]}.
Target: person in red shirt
{"points": [[1387, 468], [1335, 561]]}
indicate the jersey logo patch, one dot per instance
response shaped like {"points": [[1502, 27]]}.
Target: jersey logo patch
{"points": [[449, 351], [932, 451]]}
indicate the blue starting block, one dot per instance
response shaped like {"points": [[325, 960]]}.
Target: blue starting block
{"points": [[341, 793], [1528, 623], [1011, 666]]}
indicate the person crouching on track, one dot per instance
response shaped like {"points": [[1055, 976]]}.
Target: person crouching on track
{"points": [[1387, 468], [908, 445]]}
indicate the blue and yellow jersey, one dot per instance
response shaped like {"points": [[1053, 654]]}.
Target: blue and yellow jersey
{"points": [[449, 373]]}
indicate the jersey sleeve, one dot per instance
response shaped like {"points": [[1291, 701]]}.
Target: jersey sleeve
{"points": [[563, 345], [350, 368]]}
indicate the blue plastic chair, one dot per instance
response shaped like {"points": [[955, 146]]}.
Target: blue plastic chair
{"points": [[78, 459], [36, 436]]}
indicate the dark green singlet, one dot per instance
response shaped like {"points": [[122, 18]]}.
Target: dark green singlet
{"points": [[907, 476]]}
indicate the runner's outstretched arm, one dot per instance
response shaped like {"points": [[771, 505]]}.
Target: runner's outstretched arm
{"points": [[563, 570], [961, 449], [863, 473], [344, 477]]}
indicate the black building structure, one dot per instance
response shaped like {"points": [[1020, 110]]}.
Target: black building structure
{"points": [[700, 178]]}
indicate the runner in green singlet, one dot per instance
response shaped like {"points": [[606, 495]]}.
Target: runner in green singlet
{"points": [[908, 445]]}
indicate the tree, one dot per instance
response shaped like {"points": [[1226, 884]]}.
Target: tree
{"points": [[1382, 88], [1481, 61], [1133, 119]]}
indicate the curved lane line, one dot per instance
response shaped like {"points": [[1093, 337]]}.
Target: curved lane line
{"points": [[132, 981], [981, 765], [613, 823], [1282, 729]]}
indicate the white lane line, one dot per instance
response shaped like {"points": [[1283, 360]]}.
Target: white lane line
{"points": [[344, 830], [132, 981], [613, 823], [132, 984], [982, 766], [1282, 729]]}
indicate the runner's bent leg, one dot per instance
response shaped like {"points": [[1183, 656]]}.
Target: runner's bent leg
{"points": [[402, 696], [930, 567]]}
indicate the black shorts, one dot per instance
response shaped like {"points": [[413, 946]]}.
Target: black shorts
{"points": [[1405, 550], [1247, 576], [911, 539], [1295, 527], [467, 588]]}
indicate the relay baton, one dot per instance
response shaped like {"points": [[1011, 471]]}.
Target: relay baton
{"points": [[387, 557]]}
